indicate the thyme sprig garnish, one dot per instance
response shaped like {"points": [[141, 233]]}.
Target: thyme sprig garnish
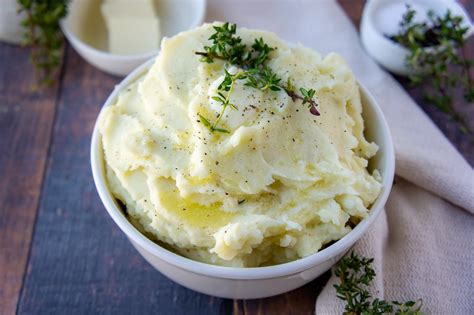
{"points": [[226, 86], [437, 56], [355, 274], [43, 34], [251, 65]]}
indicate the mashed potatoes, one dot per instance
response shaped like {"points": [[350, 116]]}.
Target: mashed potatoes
{"points": [[277, 188]]}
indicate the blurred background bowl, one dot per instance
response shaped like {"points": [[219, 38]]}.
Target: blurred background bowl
{"points": [[381, 18], [85, 29]]}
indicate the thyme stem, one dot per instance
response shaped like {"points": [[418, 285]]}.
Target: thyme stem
{"points": [[208, 55], [235, 77]]}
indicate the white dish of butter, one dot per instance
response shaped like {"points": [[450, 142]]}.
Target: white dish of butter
{"points": [[117, 36]]}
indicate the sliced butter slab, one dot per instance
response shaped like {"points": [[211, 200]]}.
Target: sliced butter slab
{"points": [[133, 26]]}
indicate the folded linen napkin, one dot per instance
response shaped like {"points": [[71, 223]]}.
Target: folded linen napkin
{"points": [[423, 244]]}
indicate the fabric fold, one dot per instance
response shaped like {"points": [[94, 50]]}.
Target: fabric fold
{"points": [[423, 249]]}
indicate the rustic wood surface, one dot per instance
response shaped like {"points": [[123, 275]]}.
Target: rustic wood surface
{"points": [[59, 251], [26, 120]]}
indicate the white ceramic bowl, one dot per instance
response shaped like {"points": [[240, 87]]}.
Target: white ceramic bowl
{"points": [[85, 29], [375, 25], [248, 283]]}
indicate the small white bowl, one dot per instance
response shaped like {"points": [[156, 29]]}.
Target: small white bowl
{"points": [[84, 27], [374, 28], [248, 283]]}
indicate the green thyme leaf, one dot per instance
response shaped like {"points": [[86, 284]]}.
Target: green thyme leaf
{"points": [[221, 130], [204, 121], [218, 99]]}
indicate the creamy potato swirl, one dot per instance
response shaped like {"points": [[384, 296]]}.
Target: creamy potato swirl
{"points": [[277, 188]]}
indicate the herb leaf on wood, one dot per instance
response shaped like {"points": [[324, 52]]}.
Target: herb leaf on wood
{"points": [[42, 33]]}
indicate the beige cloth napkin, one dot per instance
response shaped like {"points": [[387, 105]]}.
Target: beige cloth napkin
{"points": [[424, 244]]}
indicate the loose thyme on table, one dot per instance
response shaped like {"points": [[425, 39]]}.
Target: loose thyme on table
{"points": [[355, 275], [251, 64]]}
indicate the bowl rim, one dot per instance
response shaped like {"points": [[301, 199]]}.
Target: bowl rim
{"points": [[240, 273], [72, 37]]}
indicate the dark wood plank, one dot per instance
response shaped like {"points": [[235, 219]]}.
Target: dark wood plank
{"points": [[81, 263], [26, 119], [463, 142], [298, 302], [353, 9]]}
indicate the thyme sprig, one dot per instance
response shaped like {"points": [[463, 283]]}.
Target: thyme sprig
{"points": [[437, 56], [355, 274], [42, 33], [226, 86], [251, 64]]}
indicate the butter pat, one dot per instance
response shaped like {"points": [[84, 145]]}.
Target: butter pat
{"points": [[133, 26]]}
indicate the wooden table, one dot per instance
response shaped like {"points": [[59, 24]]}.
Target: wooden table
{"points": [[59, 250]]}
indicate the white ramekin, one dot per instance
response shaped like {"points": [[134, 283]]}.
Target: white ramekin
{"points": [[248, 283], [385, 51], [175, 16]]}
